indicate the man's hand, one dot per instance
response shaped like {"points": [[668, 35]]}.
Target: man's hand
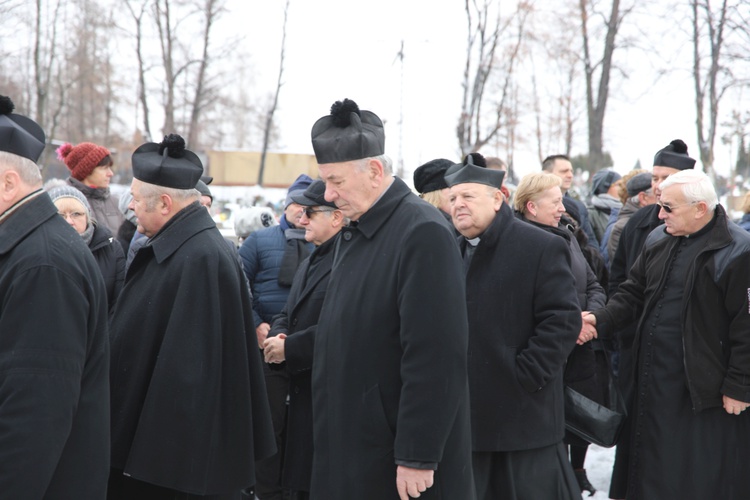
{"points": [[733, 406], [413, 482], [273, 349], [262, 332], [588, 328]]}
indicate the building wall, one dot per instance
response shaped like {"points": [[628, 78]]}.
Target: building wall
{"points": [[232, 168]]}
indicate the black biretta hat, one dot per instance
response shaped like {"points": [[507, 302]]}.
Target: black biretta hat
{"points": [[674, 156], [19, 135], [462, 173], [431, 176], [313, 196], [347, 134], [167, 164]]}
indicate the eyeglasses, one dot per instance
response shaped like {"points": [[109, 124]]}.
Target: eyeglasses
{"points": [[309, 211], [669, 209], [71, 215]]}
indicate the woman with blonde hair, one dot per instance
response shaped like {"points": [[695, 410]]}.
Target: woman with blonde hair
{"points": [[539, 201]]}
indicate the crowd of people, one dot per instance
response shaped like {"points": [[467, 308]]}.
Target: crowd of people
{"points": [[367, 344]]}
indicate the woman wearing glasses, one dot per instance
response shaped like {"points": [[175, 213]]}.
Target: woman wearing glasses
{"points": [[74, 208]]}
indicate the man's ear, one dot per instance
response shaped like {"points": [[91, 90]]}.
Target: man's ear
{"points": [[166, 203], [10, 183], [376, 171]]}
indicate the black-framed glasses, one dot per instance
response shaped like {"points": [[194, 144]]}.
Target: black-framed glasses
{"points": [[309, 211], [669, 209]]}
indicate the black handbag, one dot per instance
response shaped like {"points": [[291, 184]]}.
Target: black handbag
{"points": [[596, 423]]}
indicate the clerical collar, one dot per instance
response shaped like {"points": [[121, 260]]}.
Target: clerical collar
{"points": [[473, 241]]}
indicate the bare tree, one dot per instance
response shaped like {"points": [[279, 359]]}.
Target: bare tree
{"points": [[138, 18], [44, 57], [558, 87], [488, 79], [596, 100], [274, 104], [712, 74], [163, 19], [211, 10]]}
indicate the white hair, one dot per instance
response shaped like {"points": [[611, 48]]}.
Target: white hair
{"points": [[151, 193], [385, 160], [695, 185], [27, 170]]}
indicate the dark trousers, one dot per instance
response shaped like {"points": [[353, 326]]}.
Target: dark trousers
{"points": [[268, 471], [126, 488], [535, 474]]}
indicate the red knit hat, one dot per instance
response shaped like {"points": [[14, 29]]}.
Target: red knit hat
{"points": [[82, 159]]}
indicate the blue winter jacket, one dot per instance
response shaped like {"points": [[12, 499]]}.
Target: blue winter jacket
{"points": [[261, 255]]}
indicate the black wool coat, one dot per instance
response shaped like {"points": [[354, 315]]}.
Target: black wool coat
{"points": [[54, 359], [111, 261], [299, 320], [524, 320], [189, 407], [389, 377], [581, 366]]}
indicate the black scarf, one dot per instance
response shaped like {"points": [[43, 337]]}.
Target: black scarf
{"points": [[295, 252]]}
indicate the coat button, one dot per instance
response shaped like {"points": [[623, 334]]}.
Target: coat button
{"points": [[294, 321], [296, 390], [347, 236]]}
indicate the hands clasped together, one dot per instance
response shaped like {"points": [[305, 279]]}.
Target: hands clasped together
{"points": [[588, 328], [588, 332]]}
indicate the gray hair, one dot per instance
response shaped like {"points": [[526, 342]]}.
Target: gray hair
{"points": [[151, 193], [385, 160], [27, 170], [634, 199], [695, 185]]}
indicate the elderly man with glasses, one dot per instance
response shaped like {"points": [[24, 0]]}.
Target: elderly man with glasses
{"points": [[290, 342], [689, 292]]}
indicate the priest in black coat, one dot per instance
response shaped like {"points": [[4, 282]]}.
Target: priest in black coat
{"points": [[189, 408], [54, 348], [524, 320], [390, 387]]}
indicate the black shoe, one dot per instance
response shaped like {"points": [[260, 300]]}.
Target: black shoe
{"points": [[584, 482]]}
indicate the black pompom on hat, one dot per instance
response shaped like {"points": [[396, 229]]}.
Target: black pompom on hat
{"points": [[19, 135], [347, 134], [675, 155], [167, 164]]}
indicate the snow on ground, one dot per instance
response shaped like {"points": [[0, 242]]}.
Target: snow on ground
{"points": [[598, 465]]}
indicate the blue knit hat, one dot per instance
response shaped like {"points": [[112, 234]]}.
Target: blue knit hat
{"points": [[298, 187]]}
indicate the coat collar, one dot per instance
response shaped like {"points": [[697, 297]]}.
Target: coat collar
{"points": [[381, 211], [188, 222], [27, 217]]}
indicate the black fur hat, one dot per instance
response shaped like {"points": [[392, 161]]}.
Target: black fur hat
{"points": [[347, 134], [431, 176]]}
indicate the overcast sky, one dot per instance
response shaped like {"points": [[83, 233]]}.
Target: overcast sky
{"points": [[348, 48]]}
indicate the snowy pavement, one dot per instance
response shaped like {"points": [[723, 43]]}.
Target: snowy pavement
{"points": [[598, 465]]}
